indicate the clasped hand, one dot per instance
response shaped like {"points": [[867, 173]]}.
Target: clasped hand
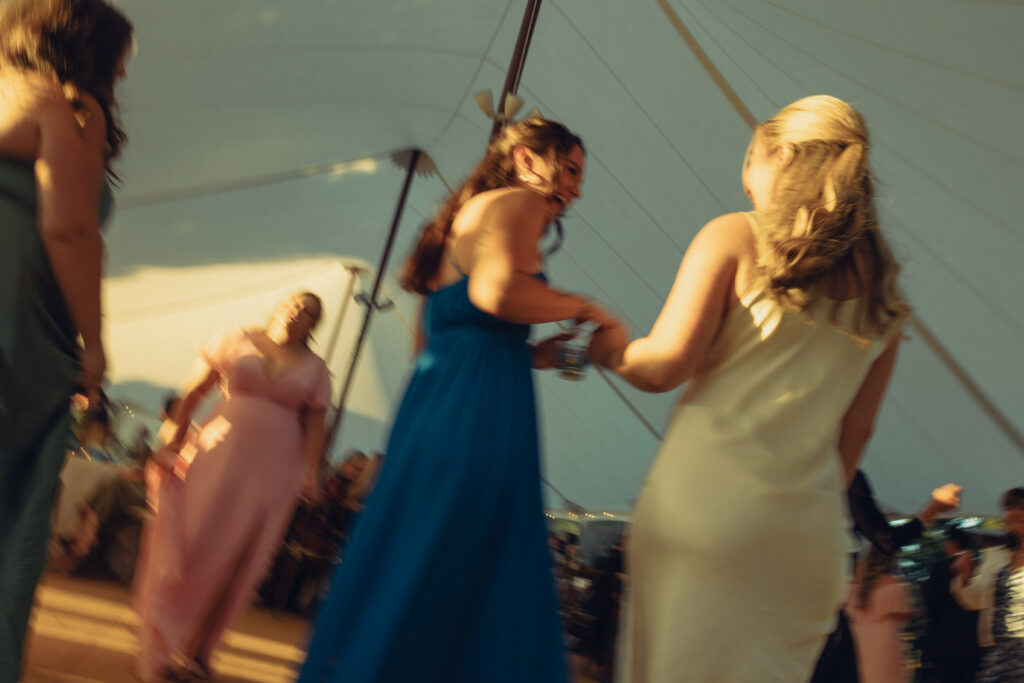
{"points": [[611, 332]]}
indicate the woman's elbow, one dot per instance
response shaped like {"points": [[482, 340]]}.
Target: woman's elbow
{"points": [[655, 380], [659, 385]]}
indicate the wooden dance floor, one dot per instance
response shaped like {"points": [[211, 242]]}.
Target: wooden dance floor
{"points": [[83, 631]]}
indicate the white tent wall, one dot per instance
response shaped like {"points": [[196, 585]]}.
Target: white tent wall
{"points": [[261, 131]]}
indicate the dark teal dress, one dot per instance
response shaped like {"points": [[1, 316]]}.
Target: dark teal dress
{"points": [[38, 369], [448, 576]]}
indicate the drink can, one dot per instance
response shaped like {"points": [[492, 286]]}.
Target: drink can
{"points": [[572, 360]]}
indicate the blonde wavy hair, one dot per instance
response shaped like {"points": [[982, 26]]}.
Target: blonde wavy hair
{"points": [[821, 239]]}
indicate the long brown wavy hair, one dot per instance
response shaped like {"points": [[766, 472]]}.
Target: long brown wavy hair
{"points": [[496, 170], [874, 565], [822, 237], [78, 42]]}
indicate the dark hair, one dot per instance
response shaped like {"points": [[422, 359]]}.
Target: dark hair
{"points": [[497, 169], [961, 538], [319, 312], [1013, 498], [319, 305], [79, 42], [870, 568]]}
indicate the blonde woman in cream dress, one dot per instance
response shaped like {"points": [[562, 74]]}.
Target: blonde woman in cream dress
{"points": [[784, 322]]}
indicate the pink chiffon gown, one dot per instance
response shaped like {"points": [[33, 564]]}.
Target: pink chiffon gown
{"points": [[877, 631], [221, 515]]}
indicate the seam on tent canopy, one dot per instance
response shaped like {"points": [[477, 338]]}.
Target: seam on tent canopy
{"points": [[333, 49], [605, 295], [709, 66], [646, 114], [472, 81], [725, 53], [567, 431], [760, 53], [236, 184], [619, 254], [1004, 424], [954, 131], [943, 264], [887, 48], [618, 392], [926, 436]]}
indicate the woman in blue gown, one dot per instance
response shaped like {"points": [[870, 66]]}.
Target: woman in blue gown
{"points": [[59, 132], [448, 576]]}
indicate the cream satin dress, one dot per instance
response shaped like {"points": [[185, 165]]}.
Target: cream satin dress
{"points": [[739, 549]]}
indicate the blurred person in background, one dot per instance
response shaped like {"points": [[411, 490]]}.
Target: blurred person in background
{"points": [[994, 586], [951, 634], [239, 476], [878, 607]]}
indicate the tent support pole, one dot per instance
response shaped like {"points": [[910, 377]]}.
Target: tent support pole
{"points": [[346, 298], [372, 303], [515, 69]]}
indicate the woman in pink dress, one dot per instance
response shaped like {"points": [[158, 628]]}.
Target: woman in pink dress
{"points": [[878, 609], [223, 508]]}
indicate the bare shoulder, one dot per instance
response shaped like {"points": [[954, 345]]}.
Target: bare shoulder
{"points": [[727, 237], [729, 230], [504, 201], [57, 115], [504, 206]]}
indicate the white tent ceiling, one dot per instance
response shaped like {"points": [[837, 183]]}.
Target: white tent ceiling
{"points": [[261, 131]]}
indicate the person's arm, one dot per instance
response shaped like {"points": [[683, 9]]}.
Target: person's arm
{"points": [[316, 433], [546, 351], [203, 379], [420, 342], [869, 520], [69, 170], [859, 421], [691, 316], [944, 499], [501, 280], [972, 586]]}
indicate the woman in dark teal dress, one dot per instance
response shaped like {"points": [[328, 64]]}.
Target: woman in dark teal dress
{"points": [[59, 60], [448, 576]]}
